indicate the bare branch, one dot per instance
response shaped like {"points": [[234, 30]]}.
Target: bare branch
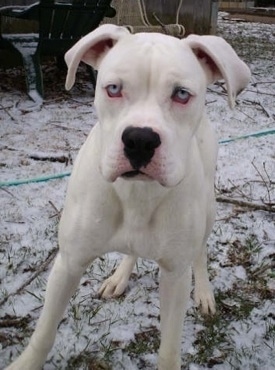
{"points": [[249, 205]]}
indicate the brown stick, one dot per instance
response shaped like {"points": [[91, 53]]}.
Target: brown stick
{"points": [[242, 203], [50, 158]]}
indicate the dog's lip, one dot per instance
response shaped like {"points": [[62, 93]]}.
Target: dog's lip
{"points": [[136, 175], [132, 173]]}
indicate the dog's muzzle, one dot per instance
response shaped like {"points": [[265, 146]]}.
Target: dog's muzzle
{"points": [[139, 146]]}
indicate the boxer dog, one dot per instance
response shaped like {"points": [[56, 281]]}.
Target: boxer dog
{"points": [[143, 182]]}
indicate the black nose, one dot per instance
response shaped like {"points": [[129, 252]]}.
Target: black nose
{"points": [[139, 145]]}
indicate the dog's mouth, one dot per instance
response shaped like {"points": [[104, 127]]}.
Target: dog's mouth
{"points": [[136, 175], [131, 174]]}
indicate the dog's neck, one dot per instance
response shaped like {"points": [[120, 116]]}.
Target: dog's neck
{"points": [[139, 199], [139, 191]]}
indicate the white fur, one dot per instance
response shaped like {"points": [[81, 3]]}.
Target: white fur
{"points": [[167, 213]]}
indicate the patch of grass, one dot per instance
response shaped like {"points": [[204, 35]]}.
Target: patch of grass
{"points": [[18, 328], [244, 253], [247, 354], [215, 343], [255, 287], [212, 345], [145, 342], [87, 360]]}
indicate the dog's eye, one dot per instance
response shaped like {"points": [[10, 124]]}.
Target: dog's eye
{"points": [[114, 91], [181, 95]]}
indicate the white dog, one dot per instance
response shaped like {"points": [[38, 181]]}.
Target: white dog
{"points": [[143, 181]]}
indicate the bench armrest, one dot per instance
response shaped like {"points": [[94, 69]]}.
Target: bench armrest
{"points": [[21, 12]]}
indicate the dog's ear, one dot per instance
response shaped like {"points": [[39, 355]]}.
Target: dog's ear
{"points": [[221, 62], [91, 48]]}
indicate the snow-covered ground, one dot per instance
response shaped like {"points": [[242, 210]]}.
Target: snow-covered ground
{"points": [[124, 333]]}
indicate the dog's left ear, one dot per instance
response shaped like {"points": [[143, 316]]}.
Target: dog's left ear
{"points": [[92, 48], [221, 62]]}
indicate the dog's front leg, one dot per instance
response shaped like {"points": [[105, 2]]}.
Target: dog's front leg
{"points": [[174, 297], [62, 283], [116, 284], [203, 293]]}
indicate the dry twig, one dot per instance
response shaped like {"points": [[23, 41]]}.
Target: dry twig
{"points": [[6, 110], [50, 157], [249, 205], [58, 212]]}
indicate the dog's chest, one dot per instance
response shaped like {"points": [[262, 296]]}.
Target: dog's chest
{"points": [[137, 233], [156, 222], [136, 241], [139, 229]]}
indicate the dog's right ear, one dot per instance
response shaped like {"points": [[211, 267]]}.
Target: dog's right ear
{"points": [[91, 48]]}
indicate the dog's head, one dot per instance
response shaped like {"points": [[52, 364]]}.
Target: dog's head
{"points": [[150, 97]]}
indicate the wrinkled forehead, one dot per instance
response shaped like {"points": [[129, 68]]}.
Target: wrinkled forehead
{"points": [[143, 51]]}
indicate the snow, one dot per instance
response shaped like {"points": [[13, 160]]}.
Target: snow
{"points": [[242, 242]]}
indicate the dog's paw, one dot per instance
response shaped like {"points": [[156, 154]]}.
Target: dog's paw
{"points": [[114, 286], [204, 298]]}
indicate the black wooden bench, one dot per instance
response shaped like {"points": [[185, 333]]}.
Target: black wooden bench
{"points": [[61, 23]]}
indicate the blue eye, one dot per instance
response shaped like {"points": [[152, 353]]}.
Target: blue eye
{"points": [[114, 91], [181, 95]]}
